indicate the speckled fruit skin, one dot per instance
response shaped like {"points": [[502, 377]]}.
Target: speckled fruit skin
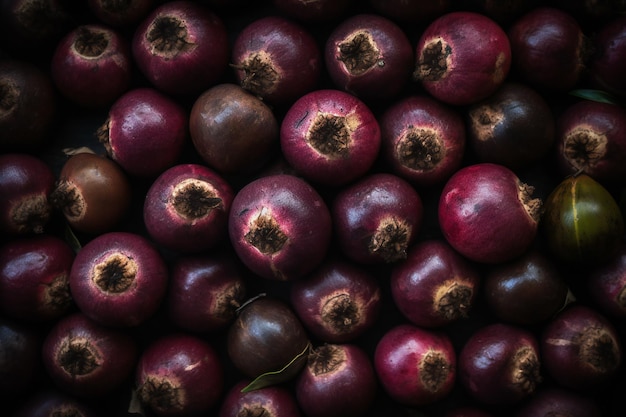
{"points": [[133, 305], [396, 361], [329, 168], [477, 54], [482, 215], [145, 132], [173, 228], [192, 368], [302, 216]]}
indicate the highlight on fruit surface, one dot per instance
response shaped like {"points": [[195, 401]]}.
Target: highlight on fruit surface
{"points": [[276, 59], [415, 366], [434, 286], [499, 364], [582, 222], [488, 214], [330, 137], [280, 227], [26, 183], [179, 375], [119, 279], [337, 302], [581, 348], [462, 57], [422, 139], [377, 218]]}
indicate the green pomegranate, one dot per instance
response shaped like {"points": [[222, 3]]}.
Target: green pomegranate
{"points": [[582, 221]]}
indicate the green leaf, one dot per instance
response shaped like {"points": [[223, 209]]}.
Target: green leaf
{"points": [[274, 377], [71, 238], [595, 95]]}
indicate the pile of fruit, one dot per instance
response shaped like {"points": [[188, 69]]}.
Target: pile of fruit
{"points": [[312, 208]]}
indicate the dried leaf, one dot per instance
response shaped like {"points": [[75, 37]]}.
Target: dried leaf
{"points": [[271, 378], [595, 95]]}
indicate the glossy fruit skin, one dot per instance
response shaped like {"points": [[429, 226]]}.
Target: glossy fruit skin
{"points": [[377, 218], [581, 348], [145, 132], [292, 213], [483, 216], [582, 222], [339, 382], [526, 291], [338, 302], [609, 62], [232, 130], [182, 70], [92, 192], [54, 402], [388, 66], [274, 401], [558, 401], [84, 376], [90, 76], [200, 226], [291, 52], [422, 139], [300, 132], [107, 304], [607, 285], [26, 182], [435, 286], [547, 46], [477, 57], [590, 139], [34, 278], [499, 364], [399, 363], [188, 366], [266, 336], [514, 127]]}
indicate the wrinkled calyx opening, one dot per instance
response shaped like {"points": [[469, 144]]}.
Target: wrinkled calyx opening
{"points": [[115, 274], [168, 36], [67, 198], [91, 43], [533, 206], [453, 300], [584, 147], [260, 76], [265, 234], [599, 350], [9, 95], [391, 239], [326, 359], [526, 370], [38, 15], [160, 394], [359, 53], [420, 149], [434, 370], [340, 312], [193, 199], [57, 295], [78, 357], [329, 135], [432, 63], [31, 214]]}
